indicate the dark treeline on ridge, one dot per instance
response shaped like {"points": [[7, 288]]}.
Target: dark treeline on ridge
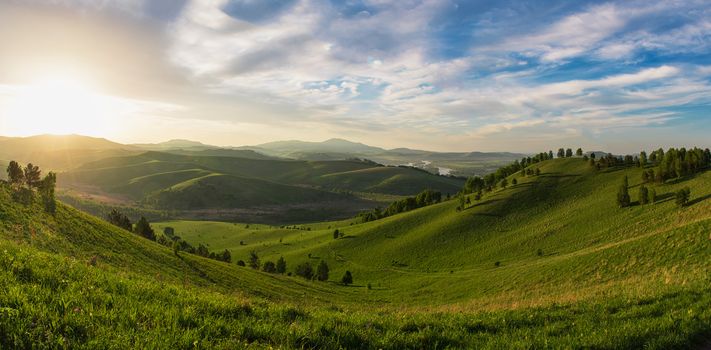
{"points": [[424, 198]]}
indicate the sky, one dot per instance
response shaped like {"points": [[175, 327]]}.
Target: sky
{"points": [[444, 75]]}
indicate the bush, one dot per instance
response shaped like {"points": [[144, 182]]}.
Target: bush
{"points": [[241, 263], [322, 271], [347, 278], [253, 260], [643, 195], [305, 270], [682, 196], [281, 265], [269, 267]]}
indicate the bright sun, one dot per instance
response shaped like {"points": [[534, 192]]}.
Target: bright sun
{"points": [[57, 105]]}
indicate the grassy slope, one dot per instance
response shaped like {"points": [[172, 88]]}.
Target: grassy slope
{"points": [[590, 247], [609, 278], [124, 173]]}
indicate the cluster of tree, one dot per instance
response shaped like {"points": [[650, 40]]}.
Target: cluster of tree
{"points": [[647, 196], [679, 162], [424, 198], [143, 228], [26, 181]]}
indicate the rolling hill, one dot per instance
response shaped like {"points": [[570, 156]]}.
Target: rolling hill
{"points": [[548, 262], [317, 189], [60, 152]]}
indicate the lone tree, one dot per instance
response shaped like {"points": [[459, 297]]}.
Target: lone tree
{"points": [[32, 176], [15, 175], [568, 153], [579, 152], [144, 229], [281, 265], [335, 234], [623, 196], [120, 220], [46, 190], [347, 278], [322, 271], [682, 196], [643, 195], [253, 260]]}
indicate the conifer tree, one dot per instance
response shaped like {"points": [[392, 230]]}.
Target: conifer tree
{"points": [[623, 196]]}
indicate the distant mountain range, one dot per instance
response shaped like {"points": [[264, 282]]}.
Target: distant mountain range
{"points": [[67, 152]]}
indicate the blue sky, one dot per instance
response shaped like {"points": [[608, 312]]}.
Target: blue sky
{"points": [[437, 74]]}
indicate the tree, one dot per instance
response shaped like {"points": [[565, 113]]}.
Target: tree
{"points": [[623, 196], [682, 196], [15, 175], [169, 232], [226, 256], [347, 278], [579, 152], [335, 234], [253, 260], [652, 196], [643, 195], [643, 159], [568, 153], [269, 267], [514, 182], [561, 153], [550, 154], [322, 271], [144, 229], [32, 176], [241, 263], [538, 172], [281, 265], [120, 220], [504, 183], [46, 190], [305, 270]]}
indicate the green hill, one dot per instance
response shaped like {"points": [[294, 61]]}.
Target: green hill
{"points": [[549, 262], [60, 152], [225, 191], [320, 189]]}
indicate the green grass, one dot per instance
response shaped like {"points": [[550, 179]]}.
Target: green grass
{"points": [[607, 278], [268, 180]]}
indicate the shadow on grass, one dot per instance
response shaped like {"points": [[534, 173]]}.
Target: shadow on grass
{"points": [[698, 200], [200, 272]]}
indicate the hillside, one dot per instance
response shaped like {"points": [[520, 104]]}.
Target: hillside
{"points": [[319, 189], [60, 152], [568, 212], [605, 277]]}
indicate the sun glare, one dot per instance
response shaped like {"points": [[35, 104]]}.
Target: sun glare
{"points": [[58, 105]]}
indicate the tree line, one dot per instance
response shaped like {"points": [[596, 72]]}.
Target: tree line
{"points": [[305, 269], [658, 167], [422, 199], [28, 180], [143, 228]]}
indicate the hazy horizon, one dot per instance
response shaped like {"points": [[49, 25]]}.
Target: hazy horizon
{"points": [[440, 75]]}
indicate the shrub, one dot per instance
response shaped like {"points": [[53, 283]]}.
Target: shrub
{"points": [[347, 278], [305, 270], [241, 263], [269, 267], [682, 196], [281, 265], [322, 271], [253, 260]]}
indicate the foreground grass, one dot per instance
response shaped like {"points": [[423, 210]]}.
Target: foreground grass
{"points": [[54, 301], [607, 278]]}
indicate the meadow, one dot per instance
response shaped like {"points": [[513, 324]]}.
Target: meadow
{"points": [[551, 262]]}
